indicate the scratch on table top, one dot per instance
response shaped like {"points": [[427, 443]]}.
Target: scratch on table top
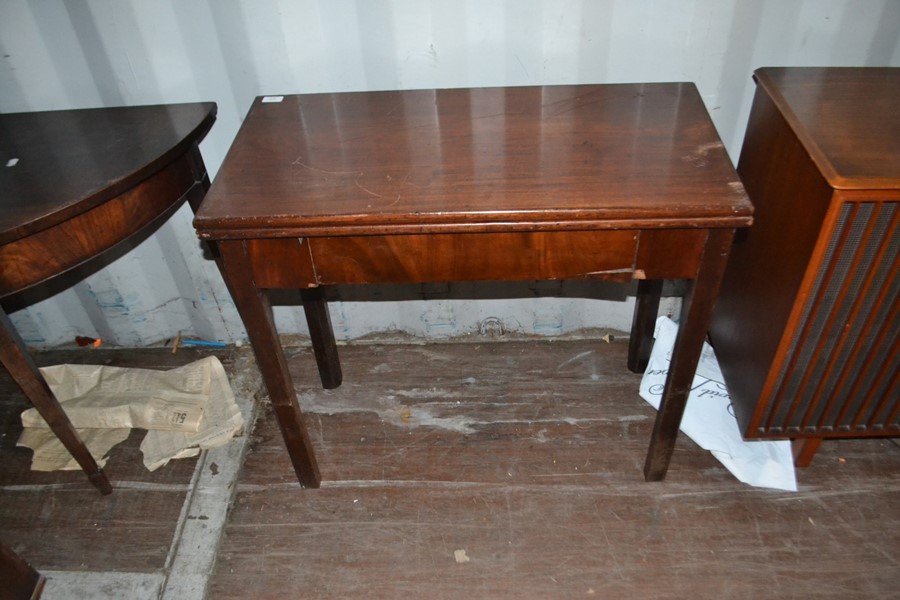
{"points": [[698, 156], [299, 162], [737, 187], [359, 175], [608, 272], [704, 149], [575, 106], [364, 188]]}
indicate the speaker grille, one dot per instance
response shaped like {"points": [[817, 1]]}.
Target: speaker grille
{"points": [[841, 370]]}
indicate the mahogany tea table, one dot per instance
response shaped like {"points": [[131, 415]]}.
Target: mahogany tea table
{"points": [[613, 182], [78, 184]]}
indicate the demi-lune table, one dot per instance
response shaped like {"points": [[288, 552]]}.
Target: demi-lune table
{"points": [[78, 184], [613, 182]]}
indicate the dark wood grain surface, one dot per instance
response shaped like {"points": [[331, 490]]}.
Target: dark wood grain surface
{"points": [[57, 249], [559, 182], [20, 580], [79, 184], [71, 161], [766, 268], [847, 118], [806, 327], [474, 256], [527, 455], [561, 157]]}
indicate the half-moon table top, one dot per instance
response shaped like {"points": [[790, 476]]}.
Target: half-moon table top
{"points": [[77, 183], [58, 164]]}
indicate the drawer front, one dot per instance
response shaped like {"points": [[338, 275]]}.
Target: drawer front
{"points": [[281, 263], [608, 254]]}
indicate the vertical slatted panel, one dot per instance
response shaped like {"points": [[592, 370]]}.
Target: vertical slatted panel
{"points": [[843, 357]]}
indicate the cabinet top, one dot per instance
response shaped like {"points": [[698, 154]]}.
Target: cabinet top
{"points": [[847, 118]]}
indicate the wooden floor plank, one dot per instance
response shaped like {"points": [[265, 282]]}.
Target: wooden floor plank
{"points": [[59, 521], [384, 541], [436, 414], [528, 456]]}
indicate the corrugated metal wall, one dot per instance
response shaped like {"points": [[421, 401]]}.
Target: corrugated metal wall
{"points": [[68, 54]]}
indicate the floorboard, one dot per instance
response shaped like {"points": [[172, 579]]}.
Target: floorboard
{"points": [[524, 460], [59, 521], [466, 470]]}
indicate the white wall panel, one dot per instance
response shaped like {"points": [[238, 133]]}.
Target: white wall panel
{"points": [[70, 54]]}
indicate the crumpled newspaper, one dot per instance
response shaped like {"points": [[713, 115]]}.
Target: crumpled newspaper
{"points": [[185, 410], [709, 420]]}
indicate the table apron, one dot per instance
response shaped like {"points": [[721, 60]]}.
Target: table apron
{"points": [[53, 251], [617, 255]]}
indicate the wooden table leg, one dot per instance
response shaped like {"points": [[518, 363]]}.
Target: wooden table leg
{"points": [[696, 311], [26, 374], [322, 335], [20, 580], [256, 312], [646, 308]]}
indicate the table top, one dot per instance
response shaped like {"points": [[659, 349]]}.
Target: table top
{"points": [[58, 164], [484, 159], [847, 118]]}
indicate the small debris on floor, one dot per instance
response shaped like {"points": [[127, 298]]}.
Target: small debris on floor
{"points": [[461, 556]]}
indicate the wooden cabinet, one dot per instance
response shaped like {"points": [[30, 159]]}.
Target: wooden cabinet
{"points": [[806, 326]]}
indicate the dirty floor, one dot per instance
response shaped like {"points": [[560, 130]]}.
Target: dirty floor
{"points": [[459, 470]]}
